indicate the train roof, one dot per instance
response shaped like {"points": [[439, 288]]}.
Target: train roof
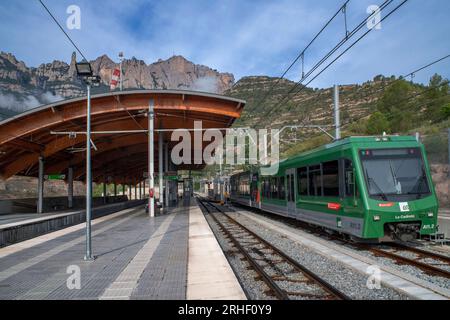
{"points": [[348, 141]]}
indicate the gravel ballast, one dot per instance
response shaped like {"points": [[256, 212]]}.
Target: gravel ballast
{"points": [[337, 274]]}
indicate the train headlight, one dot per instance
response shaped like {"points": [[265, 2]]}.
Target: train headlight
{"points": [[430, 214], [376, 218]]}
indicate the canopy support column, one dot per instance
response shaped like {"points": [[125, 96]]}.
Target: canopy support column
{"points": [[40, 203], [151, 169], [70, 188], [160, 167]]}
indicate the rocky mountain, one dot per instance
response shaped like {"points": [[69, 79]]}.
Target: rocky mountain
{"points": [[23, 87]]}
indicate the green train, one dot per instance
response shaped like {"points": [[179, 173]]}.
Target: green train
{"points": [[374, 189]]}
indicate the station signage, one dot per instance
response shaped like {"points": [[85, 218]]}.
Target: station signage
{"points": [[55, 177]]}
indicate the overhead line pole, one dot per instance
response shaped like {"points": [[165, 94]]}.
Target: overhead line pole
{"points": [[337, 119], [88, 255]]}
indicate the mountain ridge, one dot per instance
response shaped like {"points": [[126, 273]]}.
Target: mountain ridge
{"points": [[23, 87]]}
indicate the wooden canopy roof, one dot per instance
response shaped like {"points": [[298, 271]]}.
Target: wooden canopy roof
{"points": [[122, 157]]}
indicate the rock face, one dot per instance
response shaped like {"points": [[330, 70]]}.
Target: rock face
{"points": [[441, 184], [22, 87]]}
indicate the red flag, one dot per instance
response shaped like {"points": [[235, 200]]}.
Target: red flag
{"points": [[115, 79]]}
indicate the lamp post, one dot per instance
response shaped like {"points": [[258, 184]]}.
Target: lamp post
{"points": [[84, 71]]}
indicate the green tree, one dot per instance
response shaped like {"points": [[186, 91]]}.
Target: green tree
{"points": [[445, 111], [377, 123], [436, 97], [397, 106]]}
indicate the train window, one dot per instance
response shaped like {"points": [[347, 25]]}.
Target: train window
{"points": [[330, 179], [349, 179], [292, 188], [302, 181], [281, 189], [274, 188], [266, 188], [315, 181], [289, 184]]}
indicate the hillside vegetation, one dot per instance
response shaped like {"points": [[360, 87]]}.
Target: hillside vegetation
{"points": [[385, 104]]}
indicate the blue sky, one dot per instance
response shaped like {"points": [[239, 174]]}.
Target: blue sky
{"points": [[244, 37]]}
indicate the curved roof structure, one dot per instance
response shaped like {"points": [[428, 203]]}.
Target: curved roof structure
{"points": [[122, 157]]}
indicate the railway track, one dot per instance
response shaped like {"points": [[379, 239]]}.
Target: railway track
{"points": [[286, 278], [396, 252], [436, 263]]}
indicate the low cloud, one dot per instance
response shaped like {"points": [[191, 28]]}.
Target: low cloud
{"points": [[22, 104], [49, 97], [206, 84]]}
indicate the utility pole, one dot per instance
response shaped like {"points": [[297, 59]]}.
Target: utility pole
{"points": [[120, 78], [84, 71], [88, 255], [151, 169], [337, 119]]}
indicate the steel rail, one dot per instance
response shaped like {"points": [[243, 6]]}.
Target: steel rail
{"points": [[428, 268], [331, 291]]}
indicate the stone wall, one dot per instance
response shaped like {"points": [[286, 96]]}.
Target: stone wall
{"points": [[18, 187]]}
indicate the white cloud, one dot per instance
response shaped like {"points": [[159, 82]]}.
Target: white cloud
{"points": [[205, 84], [9, 101], [21, 104], [49, 97]]}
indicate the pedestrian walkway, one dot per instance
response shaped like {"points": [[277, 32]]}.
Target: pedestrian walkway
{"points": [[136, 257]]}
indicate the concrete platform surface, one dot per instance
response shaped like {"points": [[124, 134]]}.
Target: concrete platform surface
{"points": [[137, 257], [209, 273]]}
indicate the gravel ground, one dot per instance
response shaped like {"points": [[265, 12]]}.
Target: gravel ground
{"points": [[442, 250], [345, 279], [439, 281]]}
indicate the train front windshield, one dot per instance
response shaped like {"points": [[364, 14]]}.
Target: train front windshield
{"points": [[395, 174]]}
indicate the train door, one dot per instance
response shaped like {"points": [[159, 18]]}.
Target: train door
{"points": [[290, 192]]}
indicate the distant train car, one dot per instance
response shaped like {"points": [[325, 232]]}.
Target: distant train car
{"points": [[371, 188]]}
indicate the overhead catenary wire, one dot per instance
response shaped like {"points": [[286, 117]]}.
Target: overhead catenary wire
{"points": [[301, 55], [331, 52], [352, 45], [402, 78]]}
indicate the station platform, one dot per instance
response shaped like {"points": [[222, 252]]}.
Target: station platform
{"points": [[19, 227], [171, 256]]}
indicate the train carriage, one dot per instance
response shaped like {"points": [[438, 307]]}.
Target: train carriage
{"points": [[371, 188]]}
